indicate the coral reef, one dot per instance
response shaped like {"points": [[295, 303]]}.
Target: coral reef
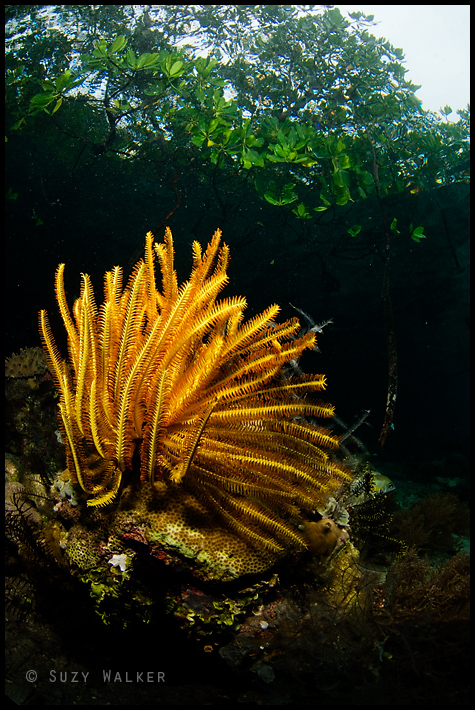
{"points": [[347, 627]]}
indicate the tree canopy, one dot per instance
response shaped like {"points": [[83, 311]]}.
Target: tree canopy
{"points": [[310, 108]]}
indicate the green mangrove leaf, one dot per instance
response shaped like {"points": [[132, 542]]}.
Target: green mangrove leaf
{"points": [[130, 59], [62, 80], [354, 230], [117, 45], [417, 234], [271, 198], [393, 227], [58, 105], [343, 199], [251, 157], [175, 69], [147, 60], [301, 212], [286, 197]]}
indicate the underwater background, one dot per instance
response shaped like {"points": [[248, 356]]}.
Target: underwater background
{"points": [[86, 180]]}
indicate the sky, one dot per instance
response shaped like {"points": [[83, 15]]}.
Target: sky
{"points": [[436, 42]]}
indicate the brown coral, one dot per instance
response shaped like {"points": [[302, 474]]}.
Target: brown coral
{"points": [[26, 363]]}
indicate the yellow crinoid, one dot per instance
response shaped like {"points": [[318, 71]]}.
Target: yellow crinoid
{"points": [[176, 383]]}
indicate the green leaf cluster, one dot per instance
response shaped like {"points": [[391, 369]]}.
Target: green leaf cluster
{"points": [[310, 104]]}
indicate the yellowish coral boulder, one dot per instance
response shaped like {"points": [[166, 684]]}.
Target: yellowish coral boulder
{"points": [[175, 523]]}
